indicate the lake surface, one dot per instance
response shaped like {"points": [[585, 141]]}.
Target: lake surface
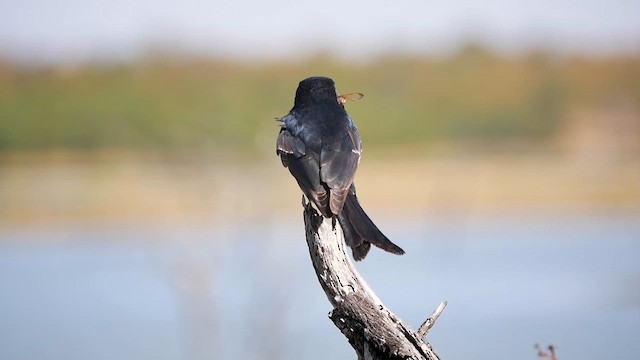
{"points": [[247, 290]]}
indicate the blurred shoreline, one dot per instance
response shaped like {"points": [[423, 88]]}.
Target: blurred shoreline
{"points": [[186, 138], [62, 188]]}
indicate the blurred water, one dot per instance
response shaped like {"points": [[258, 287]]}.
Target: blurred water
{"points": [[233, 291]]}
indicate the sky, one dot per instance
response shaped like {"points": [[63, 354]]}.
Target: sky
{"points": [[74, 30]]}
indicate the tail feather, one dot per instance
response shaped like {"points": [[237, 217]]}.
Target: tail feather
{"points": [[359, 247], [360, 232], [360, 252]]}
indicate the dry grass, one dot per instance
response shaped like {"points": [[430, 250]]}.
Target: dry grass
{"points": [[133, 187]]}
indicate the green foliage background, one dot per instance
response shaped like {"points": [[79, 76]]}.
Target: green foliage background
{"points": [[182, 102]]}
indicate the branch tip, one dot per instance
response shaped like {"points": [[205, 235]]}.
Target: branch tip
{"points": [[431, 320]]}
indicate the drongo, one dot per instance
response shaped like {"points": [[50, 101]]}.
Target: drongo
{"points": [[320, 145]]}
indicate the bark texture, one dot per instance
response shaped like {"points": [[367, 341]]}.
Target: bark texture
{"points": [[372, 330]]}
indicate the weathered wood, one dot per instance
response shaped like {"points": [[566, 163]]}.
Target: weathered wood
{"points": [[372, 330], [431, 320]]}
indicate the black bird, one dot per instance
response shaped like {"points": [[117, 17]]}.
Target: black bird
{"points": [[320, 145]]}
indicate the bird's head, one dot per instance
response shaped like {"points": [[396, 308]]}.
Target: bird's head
{"points": [[316, 89]]}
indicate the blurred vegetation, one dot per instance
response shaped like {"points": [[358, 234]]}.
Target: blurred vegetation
{"points": [[181, 102]]}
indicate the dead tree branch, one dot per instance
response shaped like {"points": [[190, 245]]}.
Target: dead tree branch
{"points": [[431, 320], [372, 330]]}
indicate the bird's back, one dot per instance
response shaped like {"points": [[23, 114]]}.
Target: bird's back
{"points": [[324, 127]]}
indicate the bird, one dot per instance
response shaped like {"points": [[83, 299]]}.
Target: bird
{"points": [[320, 145]]}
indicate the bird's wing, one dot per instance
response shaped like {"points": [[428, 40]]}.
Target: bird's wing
{"points": [[304, 165], [289, 144], [338, 164]]}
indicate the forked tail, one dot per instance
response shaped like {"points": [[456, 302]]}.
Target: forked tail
{"points": [[360, 232]]}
